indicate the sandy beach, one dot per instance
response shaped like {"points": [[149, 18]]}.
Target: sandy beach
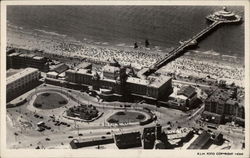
{"points": [[195, 63]]}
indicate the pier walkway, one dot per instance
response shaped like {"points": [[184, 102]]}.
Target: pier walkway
{"points": [[177, 51]]}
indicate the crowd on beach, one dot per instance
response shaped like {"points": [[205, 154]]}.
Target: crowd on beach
{"points": [[197, 68], [138, 58]]}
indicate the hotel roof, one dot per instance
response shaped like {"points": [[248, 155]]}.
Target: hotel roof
{"points": [[158, 81], [110, 69], [137, 81], [20, 75], [152, 81]]}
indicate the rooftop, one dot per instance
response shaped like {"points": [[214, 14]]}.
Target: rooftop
{"points": [[158, 81], [27, 55], [60, 68], [38, 57], [220, 96], [83, 65], [110, 69], [187, 91], [14, 54], [79, 71], [150, 81], [137, 81], [52, 73], [201, 141], [90, 139], [125, 139], [20, 75]]}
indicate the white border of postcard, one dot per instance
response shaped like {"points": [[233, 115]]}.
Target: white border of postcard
{"points": [[120, 153]]}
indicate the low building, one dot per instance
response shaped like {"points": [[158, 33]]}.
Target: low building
{"points": [[128, 140], [149, 137], [182, 134], [60, 68], [21, 82], [187, 95], [25, 58], [80, 143], [203, 141], [52, 74], [223, 107]]}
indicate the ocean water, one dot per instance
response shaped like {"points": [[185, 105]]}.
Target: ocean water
{"points": [[163, 26]]}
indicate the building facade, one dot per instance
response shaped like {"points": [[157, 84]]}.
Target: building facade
{"points": [[21, 82], [23, 59], [222, 107], [115, 80]]}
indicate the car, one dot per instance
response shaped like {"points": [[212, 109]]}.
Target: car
{"points": [[68, 125], [108, 133], [41, 129], [70, 136], [80, 134], [47, 127], [69, 91], [63, 123], [47, 139], [103, 137]]}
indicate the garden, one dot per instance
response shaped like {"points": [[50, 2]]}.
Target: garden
{"points": [[85, 112], [49, 101], [126, 117]]}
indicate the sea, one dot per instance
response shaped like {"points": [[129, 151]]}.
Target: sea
{"points": [[163, 26]]}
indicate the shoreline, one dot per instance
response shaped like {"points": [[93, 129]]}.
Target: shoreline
{"points": [[102, 52]]}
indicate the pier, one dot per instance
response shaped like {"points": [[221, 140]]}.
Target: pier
{"points": [[193, 41]]}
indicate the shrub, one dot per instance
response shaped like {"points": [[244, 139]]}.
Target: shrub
{"points": [[120, 113], [140, 117], [37, 105], [62, 102], [113, 121], [46, 94]]}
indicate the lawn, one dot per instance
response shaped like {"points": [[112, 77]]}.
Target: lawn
{"points": [[126, 116], [49, 101]]}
